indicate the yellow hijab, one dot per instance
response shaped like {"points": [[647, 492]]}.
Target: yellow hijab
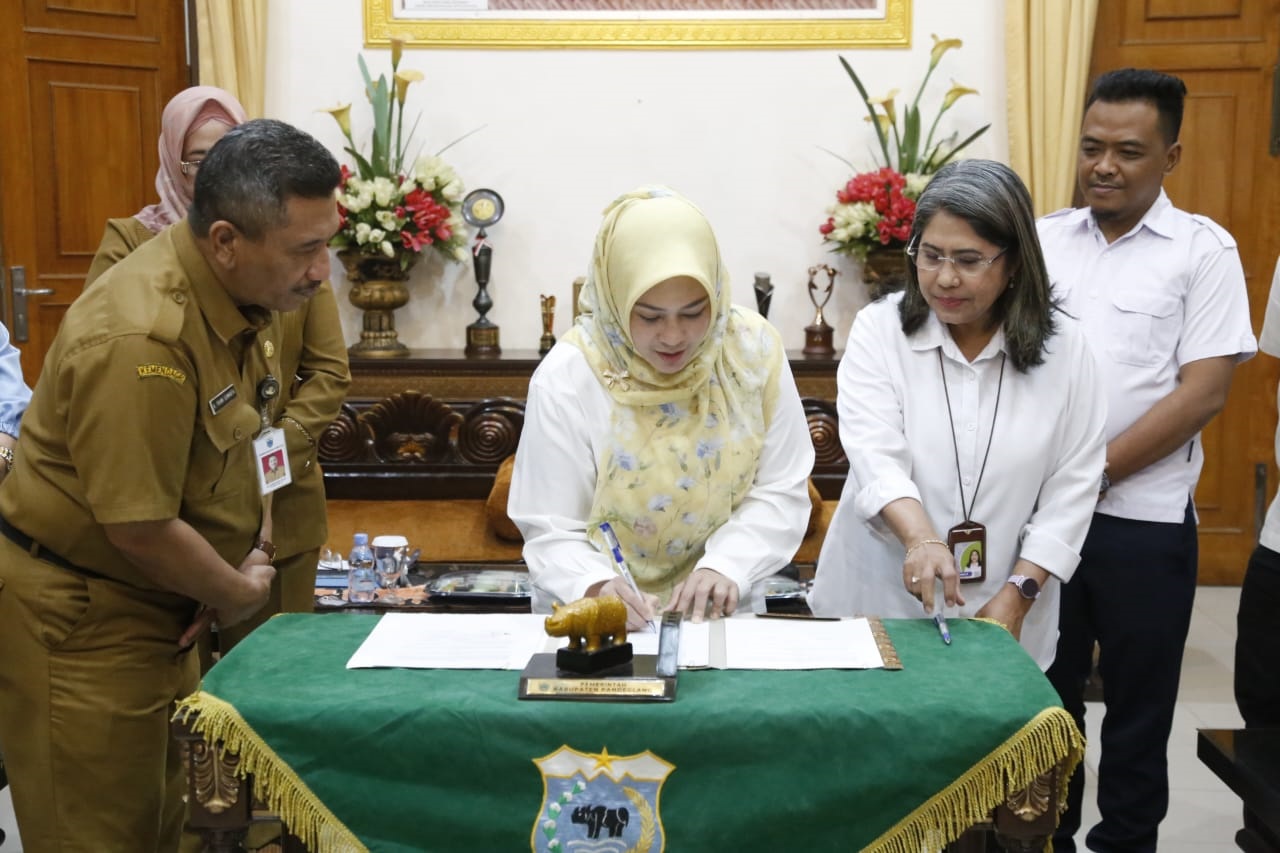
{"points": [[684, 447]]}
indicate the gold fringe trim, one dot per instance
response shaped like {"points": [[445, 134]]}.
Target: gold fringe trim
{"points": [[1049, 738], [888, 653], [276, 783]]}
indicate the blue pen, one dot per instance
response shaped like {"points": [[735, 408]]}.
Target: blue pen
{"points": [[616, 547], [941, 622]]}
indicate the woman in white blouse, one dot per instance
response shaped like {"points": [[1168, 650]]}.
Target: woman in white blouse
{"points": [[971, 413], [668, 413]]}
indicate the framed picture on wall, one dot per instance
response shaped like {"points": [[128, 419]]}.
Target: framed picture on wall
{"points": [[654, 24]]}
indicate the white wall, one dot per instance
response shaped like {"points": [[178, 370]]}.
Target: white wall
{"points": [[565, 131]]}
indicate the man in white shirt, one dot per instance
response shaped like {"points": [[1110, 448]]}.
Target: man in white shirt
{"points": [[1161, 295], [1257, 679]]}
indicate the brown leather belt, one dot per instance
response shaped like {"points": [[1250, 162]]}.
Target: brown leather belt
{"points": [[35, 549]]}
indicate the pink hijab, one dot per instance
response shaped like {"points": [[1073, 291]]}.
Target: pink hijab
{"points": [[189, 110]]}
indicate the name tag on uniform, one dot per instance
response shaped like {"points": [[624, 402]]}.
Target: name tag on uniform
{"points": [[271, 460], [220, 400]]}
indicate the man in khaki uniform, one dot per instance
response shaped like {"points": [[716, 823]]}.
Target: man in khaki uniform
{"points": [[134, 497], [314, 381]]}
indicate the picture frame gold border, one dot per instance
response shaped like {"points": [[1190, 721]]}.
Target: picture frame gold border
{"points": [[893, 30]]}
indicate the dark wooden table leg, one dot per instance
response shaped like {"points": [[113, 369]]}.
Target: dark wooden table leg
{"points": [[219, 804], [1028, 818]]}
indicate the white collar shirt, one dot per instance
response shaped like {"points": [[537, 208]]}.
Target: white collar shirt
{"points": [[1269, 342], [1040, 480], [1169, 292]]}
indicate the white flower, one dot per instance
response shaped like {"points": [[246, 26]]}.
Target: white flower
{"points": [[387, 219], [431, 172], [452, 191], [384, 191], [377, 235], [460, 253], [916, 183], [554, 808], [363, 230], [356, 202], [388, 249]]}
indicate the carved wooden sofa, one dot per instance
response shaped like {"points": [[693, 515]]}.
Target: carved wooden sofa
{"points": [[422, 467]]}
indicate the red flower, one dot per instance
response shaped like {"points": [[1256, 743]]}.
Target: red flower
{"points": [[415, 242], [885, 191]]}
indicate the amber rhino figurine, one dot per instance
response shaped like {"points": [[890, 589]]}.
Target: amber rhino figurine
{"points": [[590, 620]]}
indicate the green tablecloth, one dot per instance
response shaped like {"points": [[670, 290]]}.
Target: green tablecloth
{"points": [[412, 760]]}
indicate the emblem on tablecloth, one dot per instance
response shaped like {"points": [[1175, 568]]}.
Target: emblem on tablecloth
{"points": [[600, 802]]}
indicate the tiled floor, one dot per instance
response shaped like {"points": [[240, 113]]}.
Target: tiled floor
{"points": [[1203, 813]]}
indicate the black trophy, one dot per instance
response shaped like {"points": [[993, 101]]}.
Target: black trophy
{"points": [[482, 208], [764, 293]]}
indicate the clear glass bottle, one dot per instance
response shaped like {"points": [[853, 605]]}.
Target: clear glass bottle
{"points": [[362, 580]]}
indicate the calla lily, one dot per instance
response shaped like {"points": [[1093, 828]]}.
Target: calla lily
{"points": [[403, 81], [342, 115], [941, 46], [397, 50], [884, 121], [886, 103], [955, 93]]}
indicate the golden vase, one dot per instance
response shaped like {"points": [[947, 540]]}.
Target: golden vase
{"points": [[378, 289], [885, 271]]}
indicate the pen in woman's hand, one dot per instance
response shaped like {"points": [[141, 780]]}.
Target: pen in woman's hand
{"points": [[615, 546], [941, 622], [939, 601]]}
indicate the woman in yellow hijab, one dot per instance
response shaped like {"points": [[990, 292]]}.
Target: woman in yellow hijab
{"points": [[668, 413]]}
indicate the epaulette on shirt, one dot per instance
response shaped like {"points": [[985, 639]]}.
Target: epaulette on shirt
{"points": [[1059, 214], [166, 324], [1223, 235]]}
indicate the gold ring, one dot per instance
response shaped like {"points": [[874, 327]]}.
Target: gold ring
{"points": [[915, 580]]}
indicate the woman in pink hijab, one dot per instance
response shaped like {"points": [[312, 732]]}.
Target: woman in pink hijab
{"points": [[192, 122]]}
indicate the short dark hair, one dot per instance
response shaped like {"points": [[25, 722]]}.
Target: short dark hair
{"points": [[251, 172], [1163, 91], [992, 199]]}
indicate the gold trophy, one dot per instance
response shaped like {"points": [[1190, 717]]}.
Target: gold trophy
{"points": [[817, 336], [548, 320]]}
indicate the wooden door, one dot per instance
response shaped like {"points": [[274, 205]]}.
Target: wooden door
{"points": [[84, 83], [1226, 52]]}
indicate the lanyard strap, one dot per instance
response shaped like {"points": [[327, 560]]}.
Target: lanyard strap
{"points": [[955, 445]]}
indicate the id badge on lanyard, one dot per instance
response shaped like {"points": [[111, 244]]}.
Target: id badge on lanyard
{"points": [[968, 544], [271, 456], [968, 539]]}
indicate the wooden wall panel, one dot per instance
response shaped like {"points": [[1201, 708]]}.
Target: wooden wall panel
{"points": [[93, 175]]}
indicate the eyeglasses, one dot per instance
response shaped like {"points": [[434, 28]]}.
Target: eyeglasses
{"points": [[189, 166], [969, 264]]}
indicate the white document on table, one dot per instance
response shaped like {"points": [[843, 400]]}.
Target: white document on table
{"points": [[750, 642], [453, 641], [508, 640], [800, 644], [695, 644]]}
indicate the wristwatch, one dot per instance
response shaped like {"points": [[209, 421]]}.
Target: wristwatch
{"points": [[1028, 588], [7, 455], [267, 548], [1104, 484]]}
